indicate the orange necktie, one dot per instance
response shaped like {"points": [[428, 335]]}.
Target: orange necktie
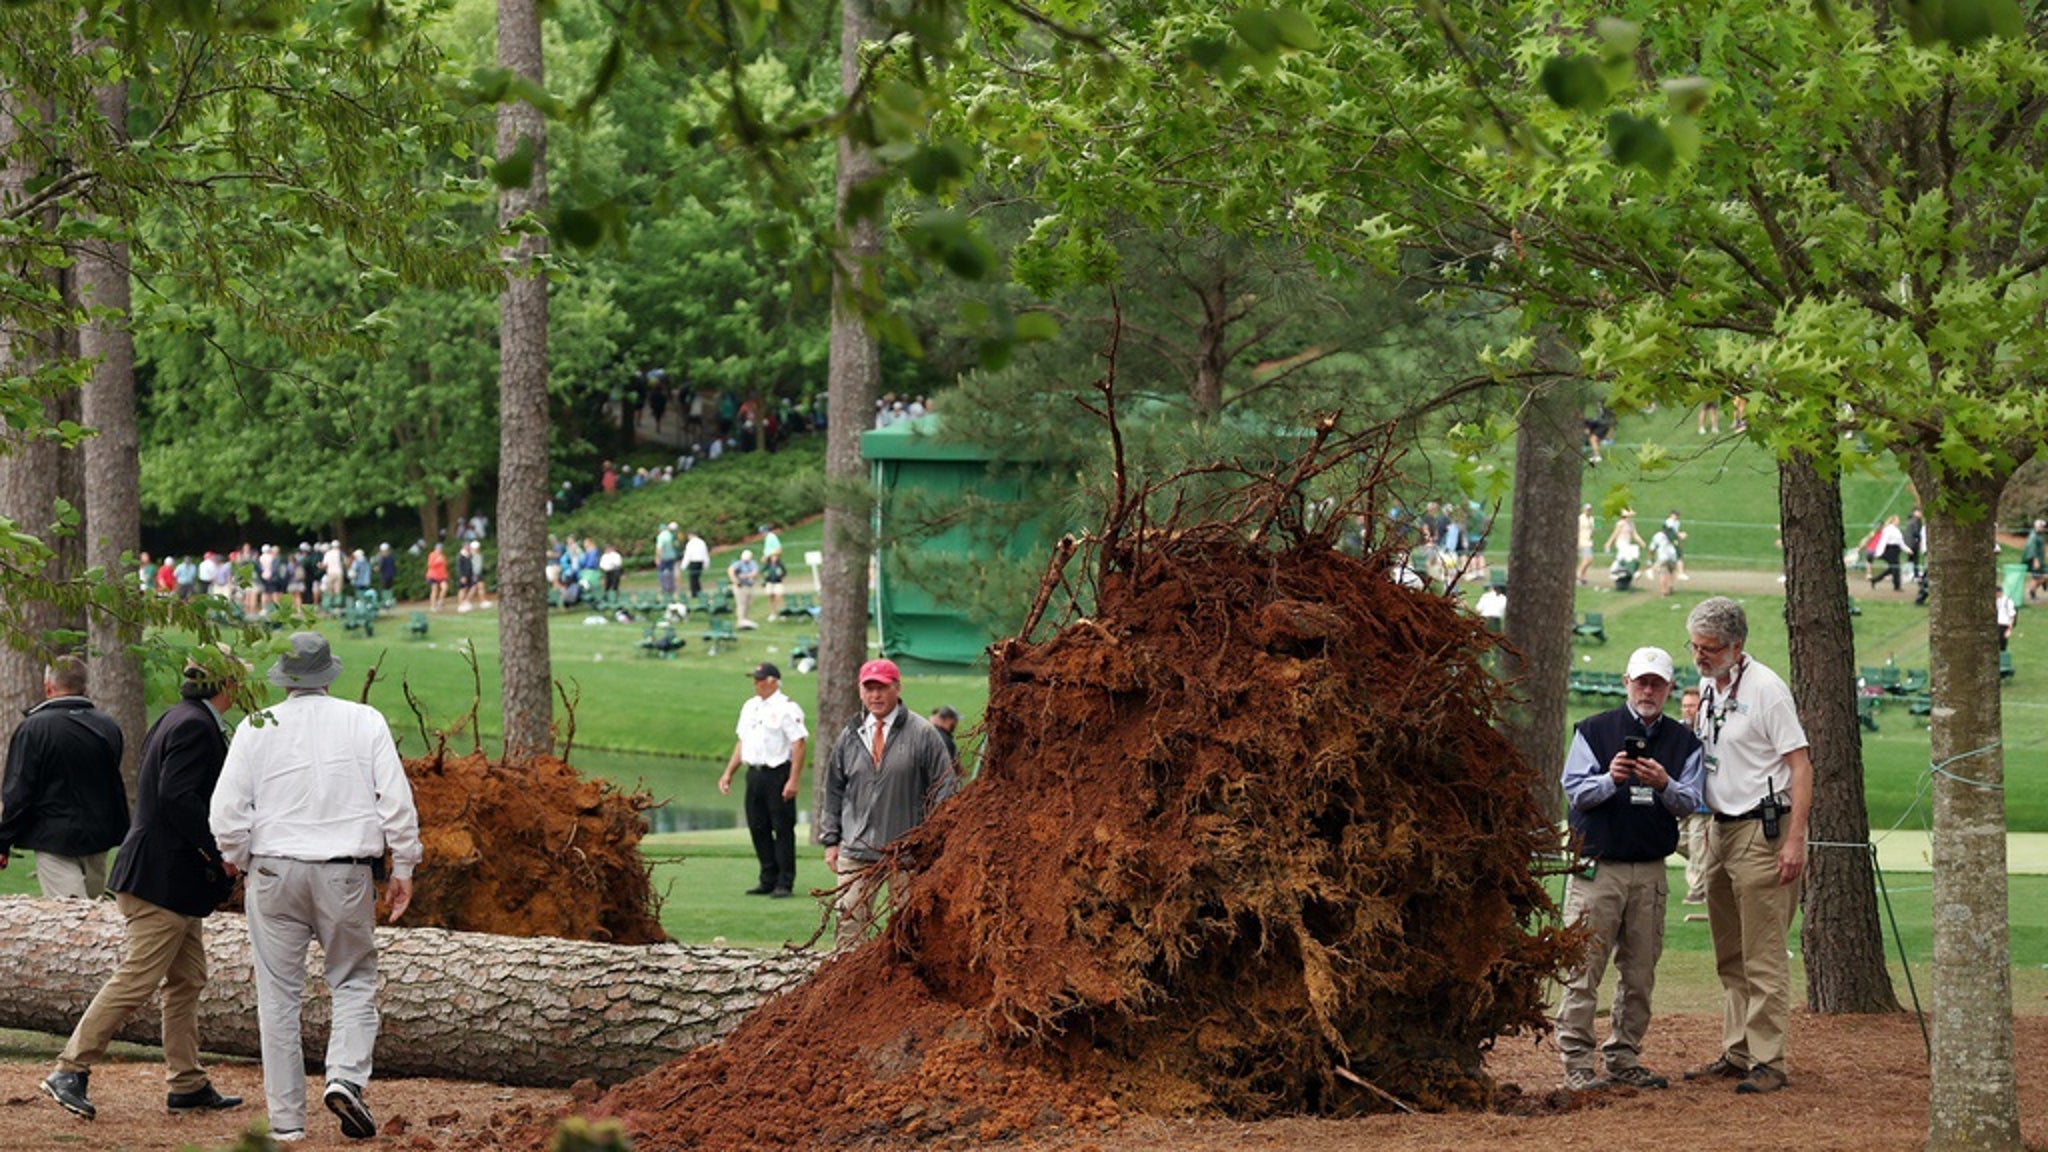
{"points": [[880, 728]]}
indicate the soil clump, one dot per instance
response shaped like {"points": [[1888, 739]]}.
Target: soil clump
{"points": [[1246, 841], [531, 848]]}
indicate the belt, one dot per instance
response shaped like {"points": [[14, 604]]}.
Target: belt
{"points": [[767, 767], [365, 861], [1752, 814]]}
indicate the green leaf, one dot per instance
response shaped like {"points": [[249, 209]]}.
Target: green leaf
{"points": [[1640, 143], [1618, 38], [1036, 327], [579, 226], [1574, 83], [1208, 52], [1296, 30], [775, 238], [1687, 95], [933, 167], [1967, 22], [516, 170], [1259, 31]]}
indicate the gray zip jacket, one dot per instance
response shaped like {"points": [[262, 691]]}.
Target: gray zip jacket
{"points": [[866, 807]]}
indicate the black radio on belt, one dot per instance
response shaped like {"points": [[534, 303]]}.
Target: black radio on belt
{"points": [[1770, 810]]}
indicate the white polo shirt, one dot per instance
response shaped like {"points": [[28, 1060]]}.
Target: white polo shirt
{"points": [[768, 727]]}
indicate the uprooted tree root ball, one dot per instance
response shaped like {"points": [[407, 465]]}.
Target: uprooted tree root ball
{"points": [[1246, 841], [529, 848]]}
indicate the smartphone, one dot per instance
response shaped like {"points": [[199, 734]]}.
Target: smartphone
{"points": [[1635, 746]]}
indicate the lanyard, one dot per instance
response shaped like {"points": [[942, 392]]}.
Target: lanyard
{"points": [[1710, 698]]}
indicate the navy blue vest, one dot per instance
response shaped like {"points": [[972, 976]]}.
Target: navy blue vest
{"points": [[1620, 829]]}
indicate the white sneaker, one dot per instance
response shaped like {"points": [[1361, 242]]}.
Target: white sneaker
{"points": [[288, 1135]]}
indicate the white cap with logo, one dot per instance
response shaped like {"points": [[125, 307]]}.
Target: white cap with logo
{"points": [[1650, 662]]}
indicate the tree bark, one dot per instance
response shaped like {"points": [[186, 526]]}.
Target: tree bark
{"points": [[113, 465], [1973, 1095], [527, 678], [511, 1010], [1538, 626], [1843, 941], [28, 464], [853, 376]]}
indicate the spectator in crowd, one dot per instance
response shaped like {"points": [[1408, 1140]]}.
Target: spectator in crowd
{"points": [[887, 771], [333, 570], [167, 879], [667, 554], [1599, 431], [1586, 523], [1710, 418], [1630, 777], [387, 568], [1891, 546], [772, 576], [2008, 614], [1675, 529], [167, 575], [437, 578], [145, 574], [185, 578], [309, 575], [1761, 791], [62, 797], [771, 744], [744, 573], [1664, 560], [608, 479], [1493, 605], [307, 805], [611, 564], [1692, 833], [359, 573], [1915, 532], [946, 720]]}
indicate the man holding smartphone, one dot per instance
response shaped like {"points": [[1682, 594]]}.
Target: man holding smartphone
{"points": [[1631, 776]]}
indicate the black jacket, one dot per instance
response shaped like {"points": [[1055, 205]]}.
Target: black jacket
{"points": [[63, 793], [169, 857]]}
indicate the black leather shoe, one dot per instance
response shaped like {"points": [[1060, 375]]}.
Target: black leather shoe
{"points": [[68, 1089], [201, 1100], [759, 890], [781, 894]]}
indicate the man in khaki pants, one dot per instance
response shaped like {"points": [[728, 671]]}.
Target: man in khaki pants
{"points": [[1759, 783], [1631, 774], [167, 880]]}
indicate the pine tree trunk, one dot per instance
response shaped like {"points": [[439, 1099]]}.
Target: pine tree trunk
{"points": [[853, 377], [113, 467], [523, 411], [506, 1009], [1548, 473], [28, 465], [1973, 1099], [1843, 940]]}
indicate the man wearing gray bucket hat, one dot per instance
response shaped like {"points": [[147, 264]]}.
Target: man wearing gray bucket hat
{"points": [[306, 806]]}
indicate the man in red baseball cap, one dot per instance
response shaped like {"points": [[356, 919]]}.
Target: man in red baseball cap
{"points": [[887, 771]]}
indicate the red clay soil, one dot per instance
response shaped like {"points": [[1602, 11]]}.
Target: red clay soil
{"points": [[530, 849], [1246, 837]]}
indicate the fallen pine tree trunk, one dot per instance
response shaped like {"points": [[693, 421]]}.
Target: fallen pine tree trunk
{"points": [[512, 1010]]}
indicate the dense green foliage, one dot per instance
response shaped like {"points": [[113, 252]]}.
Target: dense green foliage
{"points": [[721, 500]]}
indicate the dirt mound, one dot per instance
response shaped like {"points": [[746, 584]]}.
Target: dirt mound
{"points": [[530, 849], [1244, 839]]}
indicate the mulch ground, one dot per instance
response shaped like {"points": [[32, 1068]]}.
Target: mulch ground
{"points": [[1858, 1083]]}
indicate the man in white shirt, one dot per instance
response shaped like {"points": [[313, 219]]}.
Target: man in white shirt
{"points": [[696, 558], [771, 745], [306, 806]]}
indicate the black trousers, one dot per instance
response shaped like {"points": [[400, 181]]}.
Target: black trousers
{"points": [[771, 821], [696, 571]]}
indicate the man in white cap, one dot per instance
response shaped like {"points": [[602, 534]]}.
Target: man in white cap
{"points": [[1631, 776], [307, 805]]}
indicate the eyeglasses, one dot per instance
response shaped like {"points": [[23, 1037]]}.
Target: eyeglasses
{"points": [[1699, 649]]}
